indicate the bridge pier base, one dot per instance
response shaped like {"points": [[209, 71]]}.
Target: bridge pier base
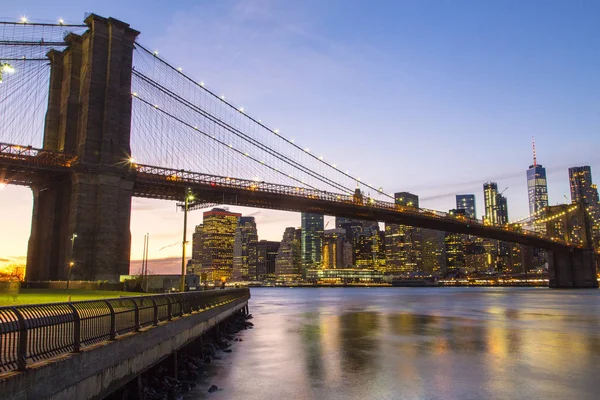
{"points": [[80, 224], [574, 268]]}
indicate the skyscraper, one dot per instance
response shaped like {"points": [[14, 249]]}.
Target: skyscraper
{"points": [[213, 244], [245, 235], [403, 243], [312, 232], [337, 250], [496, 206], [537, 187], [466, 202], [583, 191], [262, 267], [288, 263], [433, 251]]}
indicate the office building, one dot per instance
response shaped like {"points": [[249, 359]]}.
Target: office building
{"points": [[245, 235], [537, 187], [466, 202], [288, 263], [337, 250], [433, 252], [496, 206], [213, 244], [311, 236], [262, 261], [584, 191], [403, 250]]}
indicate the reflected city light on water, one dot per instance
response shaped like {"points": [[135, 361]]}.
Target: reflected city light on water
{"points": [[414, 343]]}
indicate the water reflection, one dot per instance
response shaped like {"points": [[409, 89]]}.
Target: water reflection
{"points": [[416, 344]]}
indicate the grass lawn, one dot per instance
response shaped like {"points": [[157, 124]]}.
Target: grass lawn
{"points": [[41, 296]]}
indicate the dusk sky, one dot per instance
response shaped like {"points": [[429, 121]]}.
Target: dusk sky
{"points": [[432, 97]]}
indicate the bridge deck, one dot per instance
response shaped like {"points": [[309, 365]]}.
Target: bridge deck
{"points": [[23, 164]]}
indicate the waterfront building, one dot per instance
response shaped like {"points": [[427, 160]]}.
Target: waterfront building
{"points": [[369, 249], [262, 261], [467, 202], [288, 262], [455, 247], [245, 235], [403, 250], [475, 255], [352, 275], [311, 236], [195, 264], [213, 244], [584, 191], [337, 250], [433, 252]]}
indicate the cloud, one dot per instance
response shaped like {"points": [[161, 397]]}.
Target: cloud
{"points": [[168, 265]]}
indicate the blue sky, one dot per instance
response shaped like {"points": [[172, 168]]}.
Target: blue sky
{"points": [[431, 97]]}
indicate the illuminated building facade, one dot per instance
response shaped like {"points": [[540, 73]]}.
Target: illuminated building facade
{"points": [[337, 250], [496, 206], [537, 188], [262, 261], [213, 244], [403, 250], [583, 191], [245, 235], [467, 202], [353, 275], [369, 249], [433, 252], [311, 236], [455, 247], [288, 262], [566, 222]]}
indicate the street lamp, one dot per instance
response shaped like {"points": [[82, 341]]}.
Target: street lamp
{"points": [[6, 68], [71, 263], [188, 197]]}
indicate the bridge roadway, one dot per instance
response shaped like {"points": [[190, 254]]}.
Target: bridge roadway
{"points": [[28, 166]]}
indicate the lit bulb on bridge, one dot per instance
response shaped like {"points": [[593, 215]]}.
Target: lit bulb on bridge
{"points": [[61, 21], [23, 19]]}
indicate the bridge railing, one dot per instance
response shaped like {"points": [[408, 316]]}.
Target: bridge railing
{"points": [[30, 333]]}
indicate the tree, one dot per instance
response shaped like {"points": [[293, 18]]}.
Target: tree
{"points": [[12, 273]]}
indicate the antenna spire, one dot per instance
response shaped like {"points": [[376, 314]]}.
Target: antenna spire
{"points": [[534, 154]]}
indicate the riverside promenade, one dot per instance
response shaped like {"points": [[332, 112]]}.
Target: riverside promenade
{"points": [[90, 349]]}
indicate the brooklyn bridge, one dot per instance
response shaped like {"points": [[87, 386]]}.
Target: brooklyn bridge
{"points": [[91, 117]]}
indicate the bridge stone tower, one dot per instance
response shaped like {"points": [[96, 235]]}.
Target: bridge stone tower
{"points": [[81, 221]]}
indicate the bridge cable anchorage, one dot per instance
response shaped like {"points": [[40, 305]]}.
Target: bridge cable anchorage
{"points": [[242, 135], [222, 143], [258, 122]]}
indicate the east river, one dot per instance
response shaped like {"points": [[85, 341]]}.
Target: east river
{"points": [[414, 343]]}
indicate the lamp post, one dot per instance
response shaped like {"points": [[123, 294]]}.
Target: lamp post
{"points": [[5, 68], [188, 197], [71, 263]]}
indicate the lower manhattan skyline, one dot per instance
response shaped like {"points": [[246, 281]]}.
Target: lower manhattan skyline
{"points": [[256, 199], [434, 123]]}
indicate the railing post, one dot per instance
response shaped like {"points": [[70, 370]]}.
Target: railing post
{"points": [[113, 321], [22, 341], [136, 316], [76, 328], [155, 316], [169, 309]]}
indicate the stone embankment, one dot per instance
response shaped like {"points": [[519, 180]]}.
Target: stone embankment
{"points": [[179, 373]]}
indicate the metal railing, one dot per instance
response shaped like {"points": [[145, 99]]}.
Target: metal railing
{"points": [[29, 333]]}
